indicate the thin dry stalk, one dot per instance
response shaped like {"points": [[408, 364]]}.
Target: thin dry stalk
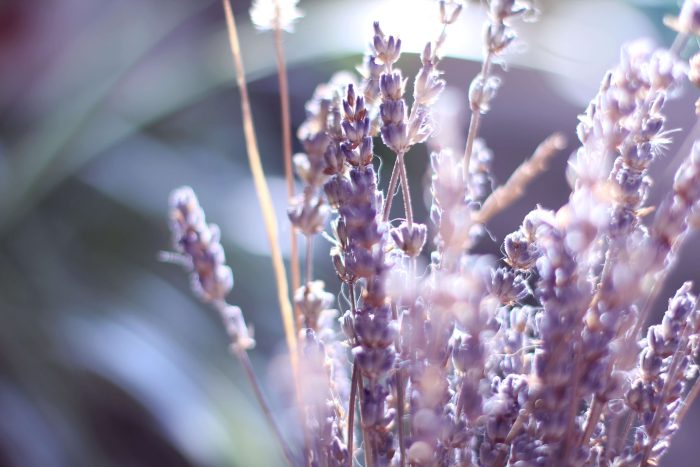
{"points": [[242, 356], [351, 411], [283, 83], [391, 192], [475, 120], [688, 402], [513, 189], [264, 196]]}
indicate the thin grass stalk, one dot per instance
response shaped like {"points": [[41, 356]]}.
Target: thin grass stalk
{"points": [[351, 411], [475, 120], [515, 186], [283, 82], [393, 181], [264, 198], [309, 259], [367, 445], [688, 402], [400, 402], [514, 431]]}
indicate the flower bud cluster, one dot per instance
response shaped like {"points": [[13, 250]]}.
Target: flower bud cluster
{"points": [[664, 365], [450, 211], [360, 257], [532, 361], [198, 243], [199, 250], [542, 243], [308, 211], [498, 35], [656, 74], [321, 410]]}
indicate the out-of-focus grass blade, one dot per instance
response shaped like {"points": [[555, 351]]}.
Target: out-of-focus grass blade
{"points": [[41, 159]]}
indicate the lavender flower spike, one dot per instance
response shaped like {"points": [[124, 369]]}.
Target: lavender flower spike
{"points": [[199, 247]]}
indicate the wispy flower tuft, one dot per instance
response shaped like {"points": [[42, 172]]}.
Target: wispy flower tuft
{"points": [[275, 14]]}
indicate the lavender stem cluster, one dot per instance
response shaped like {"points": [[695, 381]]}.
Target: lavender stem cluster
{"points": [[540, 357]]}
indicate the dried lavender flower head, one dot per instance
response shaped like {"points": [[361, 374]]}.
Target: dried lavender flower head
{"points": [[275, 14], [197, 244]]}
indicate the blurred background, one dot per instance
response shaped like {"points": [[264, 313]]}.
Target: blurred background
{"points": [[106, 359]]}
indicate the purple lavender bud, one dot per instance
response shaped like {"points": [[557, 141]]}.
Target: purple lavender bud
{"points": [[467, 353], [687, 181], [239, 334], [199, 245], [395, 137], [639, 156], [652, 126], [309, 215], [521, 253], [450, 17], [498, 37], [338, 190], [481, 91], [427, 86], [374, 331], [374, 361], [312, 299], [392, 85], [507, 286], [366, 151], [392, 111], [334, 160], [339, 264], [411, 239], [502, 9], [386, 49]]}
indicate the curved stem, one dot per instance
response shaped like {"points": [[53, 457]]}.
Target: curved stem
{"points": [[514, 187], [593, 416], [514, 431], [243, 358]]}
